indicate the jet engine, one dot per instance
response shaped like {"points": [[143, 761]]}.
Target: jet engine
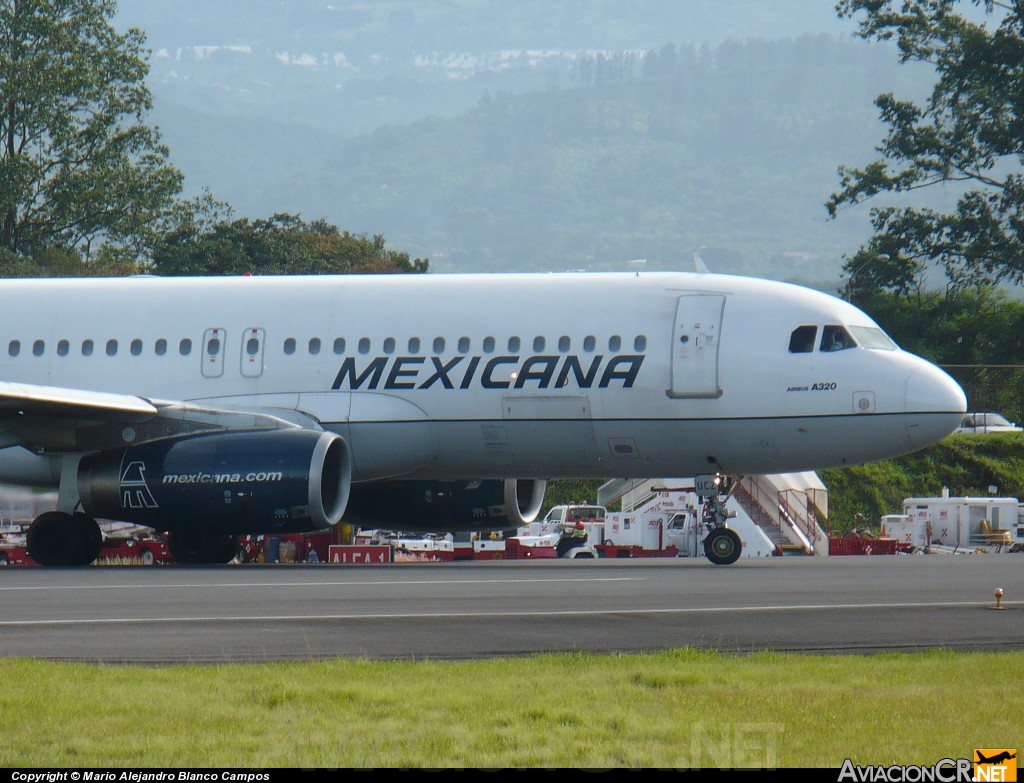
{"points": [[285, 481], [446, 506]]}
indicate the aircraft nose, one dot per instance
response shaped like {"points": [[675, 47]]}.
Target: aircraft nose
{"points": [[935, 405]]}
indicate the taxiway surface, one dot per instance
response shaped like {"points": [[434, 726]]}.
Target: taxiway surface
{"points": [[165, 614]]}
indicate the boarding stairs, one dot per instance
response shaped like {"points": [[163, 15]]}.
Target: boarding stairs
{"points": [[789, 507], [632, 492]]}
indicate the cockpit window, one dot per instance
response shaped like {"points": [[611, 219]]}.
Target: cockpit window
{"points": [[873, 337], [802, 339], [836, 338]]}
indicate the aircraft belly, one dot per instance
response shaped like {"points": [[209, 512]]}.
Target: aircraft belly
{"points": [[387, 450], [751, 446], [636, 449], [527, 426]]}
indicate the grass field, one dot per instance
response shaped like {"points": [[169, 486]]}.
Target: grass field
{"points": [[681, 709]]}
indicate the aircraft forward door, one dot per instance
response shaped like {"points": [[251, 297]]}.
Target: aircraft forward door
{"points": [[695, 346]]}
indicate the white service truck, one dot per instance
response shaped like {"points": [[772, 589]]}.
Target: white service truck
{"points": [[577, 529], [688, 521], [958, 523]]}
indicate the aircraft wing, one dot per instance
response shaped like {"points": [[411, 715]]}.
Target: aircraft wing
{"points": [[51, 418]]}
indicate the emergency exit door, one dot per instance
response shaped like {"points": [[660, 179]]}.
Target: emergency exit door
{"points": [[213, 353], [695, 345], [253, 340]]}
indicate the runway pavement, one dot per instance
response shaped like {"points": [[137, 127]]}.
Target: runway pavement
{"points": [[165, 614]]}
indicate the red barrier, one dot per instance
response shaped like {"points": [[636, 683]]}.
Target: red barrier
{"points": [[862, 546]]}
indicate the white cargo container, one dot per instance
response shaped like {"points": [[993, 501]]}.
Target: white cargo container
{"points": [[909, 531], [965, 522]]}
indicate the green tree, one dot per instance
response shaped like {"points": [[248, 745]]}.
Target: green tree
{"points": [[202, 240], [976, 334], [968, 134], [79, 168], [973, 326]]}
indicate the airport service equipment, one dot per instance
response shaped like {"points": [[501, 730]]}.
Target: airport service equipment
{"points": [[965, 522]]}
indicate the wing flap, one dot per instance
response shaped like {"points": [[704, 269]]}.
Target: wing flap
{"points": [[24, 399], [51, 418]]}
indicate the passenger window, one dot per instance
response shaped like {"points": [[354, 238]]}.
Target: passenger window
{"points": [[185, 346], [614, 343], [252, 346], [538, 344], [414, 345], [63, 347], [513, 345], [389, 345], [38, 347], [439, 345], [213, 346], [488, 345], [836, 338], [640, 343], [14, 347], [339, 345], [111, 347], [364, 345], [314, 345], [160, 347], [463, 345], [564, 344], [589, 343], [802, 339], [136, 347], [86, 347], [289, 346]]}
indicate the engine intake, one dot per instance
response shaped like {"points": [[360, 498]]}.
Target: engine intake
{"points": [[534, 492], [291, 480], [446, 506]]}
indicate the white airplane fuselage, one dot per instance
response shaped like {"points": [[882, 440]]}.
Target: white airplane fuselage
{"points": [[492, 376]]}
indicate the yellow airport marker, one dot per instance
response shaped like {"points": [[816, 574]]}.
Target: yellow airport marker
{"points": [[999, 598]]}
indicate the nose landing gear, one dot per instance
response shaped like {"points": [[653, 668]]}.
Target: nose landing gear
{"points": [[722, 546]]}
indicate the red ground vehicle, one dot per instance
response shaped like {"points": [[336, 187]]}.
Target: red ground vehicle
{"points": [[11, 554], [147, 551]]}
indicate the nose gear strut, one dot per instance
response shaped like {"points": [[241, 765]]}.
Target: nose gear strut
{"points": [[722, 546]]}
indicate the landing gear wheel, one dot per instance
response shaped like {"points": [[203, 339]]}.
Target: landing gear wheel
{"points": [[59, 539], [722, 546]]}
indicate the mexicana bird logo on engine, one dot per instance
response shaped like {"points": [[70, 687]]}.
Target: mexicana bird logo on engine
{"points": [[135, 492], [497, 372]]}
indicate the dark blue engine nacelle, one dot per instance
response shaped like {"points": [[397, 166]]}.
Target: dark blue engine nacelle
{"points": [[287, 481], [445, 506]]}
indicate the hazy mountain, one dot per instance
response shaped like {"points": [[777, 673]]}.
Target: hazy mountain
{"points": [[353, 66], [541, 134]]}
